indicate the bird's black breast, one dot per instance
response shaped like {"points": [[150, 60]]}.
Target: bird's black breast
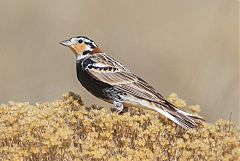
{"points": [[94, 86]]}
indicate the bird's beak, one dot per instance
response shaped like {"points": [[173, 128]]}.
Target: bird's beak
{"points": [[66, 43]]}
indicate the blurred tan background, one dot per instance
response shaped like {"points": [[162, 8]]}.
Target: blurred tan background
{"points": [[189, 47]]}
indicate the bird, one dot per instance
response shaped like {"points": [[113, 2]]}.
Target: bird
{"points": [[111, 81]]}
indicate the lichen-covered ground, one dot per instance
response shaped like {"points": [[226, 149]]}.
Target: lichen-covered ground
{"points": [[66, 130]]}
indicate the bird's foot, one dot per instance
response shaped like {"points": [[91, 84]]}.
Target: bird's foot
{"points": [[118, 106]]}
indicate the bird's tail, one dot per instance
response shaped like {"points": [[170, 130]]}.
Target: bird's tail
{"points": [[167, 109], [183, 119]]}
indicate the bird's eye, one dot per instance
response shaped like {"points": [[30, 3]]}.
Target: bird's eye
{"points": [[80, 41]]}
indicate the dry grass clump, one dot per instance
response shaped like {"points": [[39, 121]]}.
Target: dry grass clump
{"points": [[66, 130]]}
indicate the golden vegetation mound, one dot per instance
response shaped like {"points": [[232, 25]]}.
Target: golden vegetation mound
{"points": [[66, 130]]}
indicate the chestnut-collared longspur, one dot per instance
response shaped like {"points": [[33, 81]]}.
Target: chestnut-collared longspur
{"points": [[112, 82]]}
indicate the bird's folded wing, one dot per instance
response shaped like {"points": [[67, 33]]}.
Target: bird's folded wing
{"points": [[113, 73]]}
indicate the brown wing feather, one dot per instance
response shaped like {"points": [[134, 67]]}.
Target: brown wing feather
{"points": [[112, 72], [112, 78]]}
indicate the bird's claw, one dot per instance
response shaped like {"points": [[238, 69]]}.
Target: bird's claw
{"points": [[118, 106]]}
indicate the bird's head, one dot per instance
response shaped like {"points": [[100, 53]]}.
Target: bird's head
{"points": [[81, 45]]}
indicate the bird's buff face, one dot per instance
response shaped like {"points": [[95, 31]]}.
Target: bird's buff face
{"points": [[78, 49], [80, 45]]}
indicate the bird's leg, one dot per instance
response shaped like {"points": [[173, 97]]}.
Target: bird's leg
{"points": [[118, 106]]}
